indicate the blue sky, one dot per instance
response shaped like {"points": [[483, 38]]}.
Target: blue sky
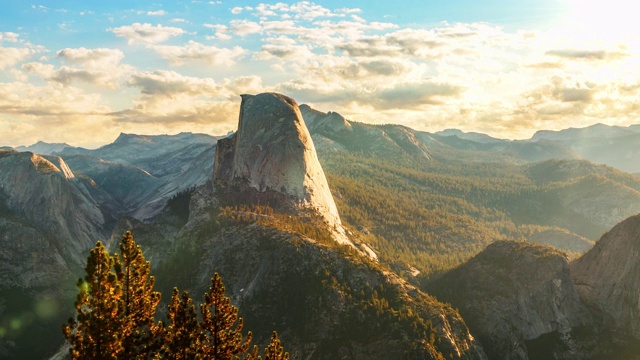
{"points": [[82, 72]]}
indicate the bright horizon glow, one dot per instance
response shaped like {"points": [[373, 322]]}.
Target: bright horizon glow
{"points": [[84, 73]]}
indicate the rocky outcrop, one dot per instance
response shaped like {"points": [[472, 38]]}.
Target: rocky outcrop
{"points": [[142, 172], [324, 302], [513, 292], [48, 222], [606, 277], [272, 152], [48, 196]]}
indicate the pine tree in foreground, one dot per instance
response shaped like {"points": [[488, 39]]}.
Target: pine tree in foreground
{"points": [[95, 333], [183, 338], [274, 350], [115, 311], [139, 301], [219, 319]]}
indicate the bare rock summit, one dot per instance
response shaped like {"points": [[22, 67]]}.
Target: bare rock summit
{"points": [[272, 154]]}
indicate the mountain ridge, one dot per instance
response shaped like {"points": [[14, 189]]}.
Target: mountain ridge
{"points": [[452, 197]]}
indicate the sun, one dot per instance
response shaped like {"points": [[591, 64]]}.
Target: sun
{"points": [[607, 21]]}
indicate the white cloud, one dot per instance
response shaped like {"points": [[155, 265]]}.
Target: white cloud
{"points": [[170, 83], [475, 76], [11, 56], [157, 13], [598, 54], [298, 53], [250, 84], [194, 51], [245, 27], [305, 10], [43, 70], [146, 33], [108, 77], [349, 10], [66, 75], [99, 67], [40, 8], [52, 113], [177, 101], [221, 31], [10, 37], [100, 57]]}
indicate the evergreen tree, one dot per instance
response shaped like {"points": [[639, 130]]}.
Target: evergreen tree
{"points": [[139, 301], [116, 306], [219, 319], [96, 332], [183, 338], [274, 350]]}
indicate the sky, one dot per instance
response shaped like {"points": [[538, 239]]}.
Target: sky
{"points": [[82, 72]]}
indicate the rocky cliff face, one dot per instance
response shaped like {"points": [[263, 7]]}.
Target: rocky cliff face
{"points": [[607, 277], [140, 173], [46, 193], [513, 292], [272, 152], [48, 222], [325, 301]]}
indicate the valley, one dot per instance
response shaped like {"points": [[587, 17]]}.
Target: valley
{"points": [[322, 227]]}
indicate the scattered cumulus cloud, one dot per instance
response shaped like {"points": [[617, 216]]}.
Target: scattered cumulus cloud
{"points": [[91, 57], [172, 99], [40, 8], [587, 54], [146, 33], [245, 27], [157, 13], [220, 31], [170, 83], [29, 113], [237, 10], [9, 37], [99, 67], [475, 76], [10, 56], [196, 52]]}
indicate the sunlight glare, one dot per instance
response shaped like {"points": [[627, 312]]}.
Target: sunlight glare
{"points": [[611, 20]]}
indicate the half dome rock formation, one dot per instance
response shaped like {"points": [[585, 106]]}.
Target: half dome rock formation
{"points": [[606, 277], [273, 154]]}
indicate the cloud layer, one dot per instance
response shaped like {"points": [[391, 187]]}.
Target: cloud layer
{"points": [[162, 71]]}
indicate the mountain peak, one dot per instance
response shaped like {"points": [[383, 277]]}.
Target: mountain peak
{"points": [[273, 153], [124, 138], [44, 148]]}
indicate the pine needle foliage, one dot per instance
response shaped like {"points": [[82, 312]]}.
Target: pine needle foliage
{"points": [[116, 308], [221, 323], [139, 301], [275, 351], [184, 338], [96, 332]]}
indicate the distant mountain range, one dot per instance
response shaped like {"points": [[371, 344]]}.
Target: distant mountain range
{"points": [[344, 266]]}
